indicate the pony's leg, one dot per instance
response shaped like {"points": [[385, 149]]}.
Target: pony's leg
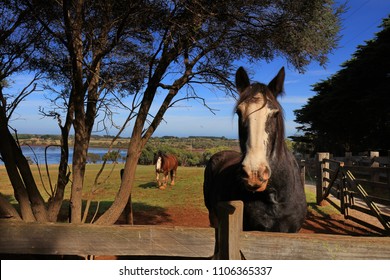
{"points": [[164, 183], [173, 175], [166, 177], [158, 179]]}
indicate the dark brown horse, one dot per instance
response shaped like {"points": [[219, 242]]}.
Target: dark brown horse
{"points": [[166, 164], [265, 175]]}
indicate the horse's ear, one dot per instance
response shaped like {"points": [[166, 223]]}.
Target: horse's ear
{"points": [[242, 80], [276, 85]]}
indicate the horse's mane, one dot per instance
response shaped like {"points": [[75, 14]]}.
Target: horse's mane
{"points": [[250, 93]]}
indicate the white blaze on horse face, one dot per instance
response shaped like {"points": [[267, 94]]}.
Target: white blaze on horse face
{"points": [[158, 164], [255, 164]]}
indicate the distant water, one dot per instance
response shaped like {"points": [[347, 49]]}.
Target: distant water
{"points": [[53, 154]]}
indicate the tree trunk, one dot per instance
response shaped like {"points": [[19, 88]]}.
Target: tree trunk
{"points": [[36, 200], [7, 210], [129, 212], [137, 143], [129, 208], [73, 27], [78, 168], [8, 157], [63, 175], [20, 192], [122, 197]]}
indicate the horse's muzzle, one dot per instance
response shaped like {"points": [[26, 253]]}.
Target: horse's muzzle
{"points": [[256, 180]]}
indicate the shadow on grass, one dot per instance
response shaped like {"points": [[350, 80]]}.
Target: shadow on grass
{"points": [[11, 199], [150, 185], [143, 213]]}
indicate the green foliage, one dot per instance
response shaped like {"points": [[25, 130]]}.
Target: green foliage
{"points": [[350, 111], [94, 158], [112, 156]]}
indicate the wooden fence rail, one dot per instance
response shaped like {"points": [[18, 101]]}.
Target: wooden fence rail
{"points": [[181, 242]]}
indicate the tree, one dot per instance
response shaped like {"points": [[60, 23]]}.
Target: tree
{"points": [[15, 48], [98, 52], [200, 40], [350, 109], [88, 42]]}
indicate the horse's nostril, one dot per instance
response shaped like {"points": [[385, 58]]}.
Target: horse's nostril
{"points": [[266, 174]]}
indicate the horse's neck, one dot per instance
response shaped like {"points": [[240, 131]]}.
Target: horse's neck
{"points": [[284, 165]]}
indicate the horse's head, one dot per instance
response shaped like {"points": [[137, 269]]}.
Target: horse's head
{"points": [[261, 128], [158, 161]]}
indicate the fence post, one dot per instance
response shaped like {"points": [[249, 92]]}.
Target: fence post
{"points": [[374, 163], [388, 165], [303, 171], [348, 158], [320, 183], [229, 228]]}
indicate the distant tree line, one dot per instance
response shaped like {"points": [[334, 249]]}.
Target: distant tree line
{"points": [[186, 157], [189, 153]]}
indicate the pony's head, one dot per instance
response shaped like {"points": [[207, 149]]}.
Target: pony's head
{"points": [[158, 160], [261, 128]]}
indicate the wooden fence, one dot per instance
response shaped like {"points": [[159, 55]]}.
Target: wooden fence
{"points": [[179, 242], [370, 185]]}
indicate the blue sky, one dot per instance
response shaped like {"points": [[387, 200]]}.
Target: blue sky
{"points": [[190, 118]]}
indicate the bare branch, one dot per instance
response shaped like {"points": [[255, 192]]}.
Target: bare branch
{"points": [[26, 91]]}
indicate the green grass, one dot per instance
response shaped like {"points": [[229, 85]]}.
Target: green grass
{"points": [[312, 206], [188, 190]]}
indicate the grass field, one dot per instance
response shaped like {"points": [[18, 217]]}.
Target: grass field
{"points": [[187, 192]]}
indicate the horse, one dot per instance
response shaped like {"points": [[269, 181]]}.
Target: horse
{"points": [[264, 175], [166, 164]]}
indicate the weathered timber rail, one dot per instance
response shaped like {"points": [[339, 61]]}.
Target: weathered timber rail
{"points": [[182, 242], [82, 240]]}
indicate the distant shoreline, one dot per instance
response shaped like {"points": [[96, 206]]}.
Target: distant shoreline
{"points": [[96, 141]]}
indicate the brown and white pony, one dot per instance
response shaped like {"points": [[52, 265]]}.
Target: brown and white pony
{"points": [[265, 175], [166, 164]]}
